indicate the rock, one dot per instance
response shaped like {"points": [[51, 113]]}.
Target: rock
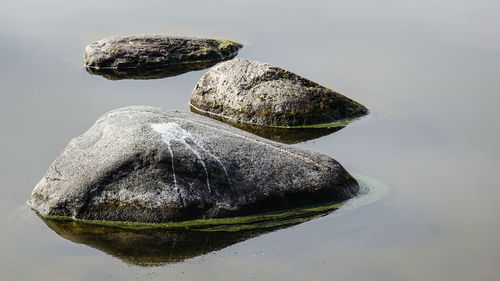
{"points": [[143, 164], [145, 51], [247, 91]]}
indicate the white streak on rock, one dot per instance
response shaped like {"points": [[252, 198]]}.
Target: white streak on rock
{"points": [[173, 132], [173, 165], [199, 158], [216, 159], [167, 135]]}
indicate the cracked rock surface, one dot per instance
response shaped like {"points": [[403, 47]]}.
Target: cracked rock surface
{"points": [[145, 164]]}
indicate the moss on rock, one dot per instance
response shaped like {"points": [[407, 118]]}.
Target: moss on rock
{"points": [[231, 224]]}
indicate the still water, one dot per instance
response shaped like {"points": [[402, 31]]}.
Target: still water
{"points": [[428, 71]]}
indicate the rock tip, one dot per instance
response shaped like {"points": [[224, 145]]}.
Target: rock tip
{"points": [[224, 43]]}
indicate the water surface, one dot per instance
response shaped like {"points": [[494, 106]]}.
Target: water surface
{"points": [[427, 70]]}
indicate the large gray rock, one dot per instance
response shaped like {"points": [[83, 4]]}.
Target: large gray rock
{"points": [[144, 164], [247, 91], [145, 51]]}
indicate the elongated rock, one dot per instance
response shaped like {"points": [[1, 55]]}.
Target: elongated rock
{"points": [[146, 51], [258, 93], [143, 164]]}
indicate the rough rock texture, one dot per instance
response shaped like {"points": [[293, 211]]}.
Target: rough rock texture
{"points": [[143, 51], [144, 164], [259, 93]]}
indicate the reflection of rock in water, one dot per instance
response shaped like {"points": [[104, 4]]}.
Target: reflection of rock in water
{"points": [[279, 134], [148, 73], [155, 247], [287, 135], [147, 247]]}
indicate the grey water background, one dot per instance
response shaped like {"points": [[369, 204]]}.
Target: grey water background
{"points": [[428, 70]]}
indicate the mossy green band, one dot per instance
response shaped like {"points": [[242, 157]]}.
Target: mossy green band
{"points": [[261, 221]]}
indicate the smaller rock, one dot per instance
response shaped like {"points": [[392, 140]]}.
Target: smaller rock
{"points": [[247, 91], [143, 51]]}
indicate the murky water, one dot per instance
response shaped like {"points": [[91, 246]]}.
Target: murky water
{"points": [[427, 70]]}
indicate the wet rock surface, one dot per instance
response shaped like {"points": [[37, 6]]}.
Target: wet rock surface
{"points": [[149, 51], [253, 92], [144, 164]]}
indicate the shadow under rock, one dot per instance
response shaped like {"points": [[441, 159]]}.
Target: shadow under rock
{"points": [[287, 135], [284, 135]]}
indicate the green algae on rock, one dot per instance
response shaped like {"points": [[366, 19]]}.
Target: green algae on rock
{"points": [[258, 93], [230, 224], [147, 51]]}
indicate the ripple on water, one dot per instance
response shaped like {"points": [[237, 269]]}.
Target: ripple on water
{"points": [[370, 190]]}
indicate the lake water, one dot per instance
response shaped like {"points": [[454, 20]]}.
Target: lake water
{"points": [[428, 70]]}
